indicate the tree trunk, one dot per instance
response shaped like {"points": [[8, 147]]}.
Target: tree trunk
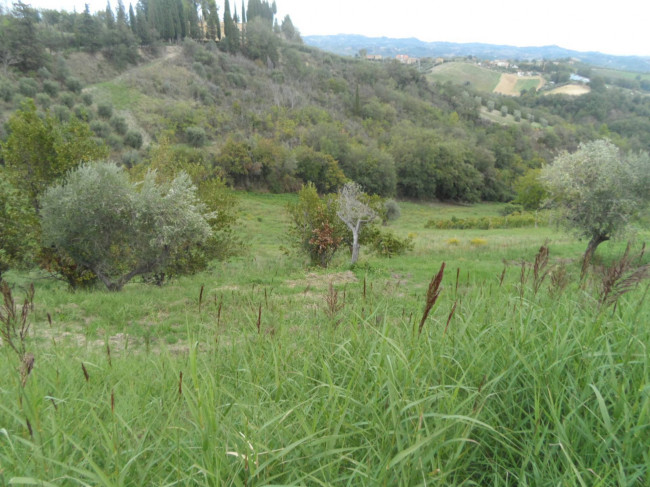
{"points": [[355, 243], [595, 241]]}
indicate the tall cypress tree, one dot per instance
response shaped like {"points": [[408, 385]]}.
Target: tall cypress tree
{"points": [[132, 23], [243, 13], [121, 14], [110, 18], [230, 30]]}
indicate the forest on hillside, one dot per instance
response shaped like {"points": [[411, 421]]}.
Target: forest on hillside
{"points": [[258, 108]]}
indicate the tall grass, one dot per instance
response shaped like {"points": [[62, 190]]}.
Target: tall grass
{"points": [[280, 377]]}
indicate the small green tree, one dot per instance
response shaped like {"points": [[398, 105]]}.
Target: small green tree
{"points": [[120, 229], [18, 227], [315, 229], [598, 190], [531, 193], [40, 150]]}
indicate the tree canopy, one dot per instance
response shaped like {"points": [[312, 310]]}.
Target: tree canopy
{"points": [[120, 229], [598, 190]]}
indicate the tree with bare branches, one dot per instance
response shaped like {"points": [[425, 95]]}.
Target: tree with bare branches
{"points": [[354, 213]]}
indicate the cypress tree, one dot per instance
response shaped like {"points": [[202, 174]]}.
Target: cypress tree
{"points": [[121, 14], [132, 23], [110, 18]]}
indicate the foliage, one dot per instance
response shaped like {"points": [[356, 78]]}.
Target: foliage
{"points": [[119, 229], [387, 244], [393, 211], [39, 150], [220, 201], [133, 139], [531, 193], [484, 222], [315, 228], [18, 227], [318, 168], [598, 190]]}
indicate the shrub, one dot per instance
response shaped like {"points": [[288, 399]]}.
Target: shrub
{"points": [[388, 244], [478, 242], [114, 142], [120, 229], [43, 101], [73, 84], [27, 87], [510, 209], [119, 124], [453, 241], [51, 88], [131, 158], [6, 91], [133, 139], [199, 69], [483, 223], [393, 211], [82, 113], [87, 99], [61, 113], [67, 99], [195, 136], [105, 110], [101, 129]]}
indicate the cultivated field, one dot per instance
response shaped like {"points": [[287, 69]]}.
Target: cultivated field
{"points": [[511, 84], [479, 78], [572, 90], [261, 371]]}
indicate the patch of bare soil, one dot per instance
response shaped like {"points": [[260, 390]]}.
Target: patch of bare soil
{"points": [[312, 279], [572, 90], [508, 83]]}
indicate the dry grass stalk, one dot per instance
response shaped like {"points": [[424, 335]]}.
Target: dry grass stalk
{"points": [[540, 267], [259, 320], [108, 354], [457, 279], [628, 284], [332, 301], [502, 276], [613, 274], [451, 315], [559, 279], [432, 295], [85, 371], [14, 326], [200, 298], [180, 384]]}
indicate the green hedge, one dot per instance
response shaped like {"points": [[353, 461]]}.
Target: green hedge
{"points": [[484, 222]]}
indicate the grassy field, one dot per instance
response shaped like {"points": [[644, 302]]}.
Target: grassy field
{"points": [[480, 79], [261, 371]]}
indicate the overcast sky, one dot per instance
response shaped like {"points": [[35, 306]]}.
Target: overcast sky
{"points": [[619, 27]]}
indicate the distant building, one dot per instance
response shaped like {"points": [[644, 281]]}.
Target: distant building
{"points": [[579, 79], [406, 59], [374, 57]]}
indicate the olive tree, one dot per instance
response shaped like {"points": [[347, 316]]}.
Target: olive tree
{"points": [[598, 190], [354, 213], [120, 229]]}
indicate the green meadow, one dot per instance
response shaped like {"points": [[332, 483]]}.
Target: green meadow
{"points": [[262, 371]]}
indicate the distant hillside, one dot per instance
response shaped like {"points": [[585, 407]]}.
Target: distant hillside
{"points": [[347, 44]]}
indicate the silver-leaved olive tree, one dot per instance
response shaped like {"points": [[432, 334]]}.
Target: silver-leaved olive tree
{"points": [[120, 229], [598, 190]]}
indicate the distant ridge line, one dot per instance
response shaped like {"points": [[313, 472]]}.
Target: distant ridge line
{"points": [[351, 44]]}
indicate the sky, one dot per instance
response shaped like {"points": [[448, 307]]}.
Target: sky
{"points": [[619, 28]]}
